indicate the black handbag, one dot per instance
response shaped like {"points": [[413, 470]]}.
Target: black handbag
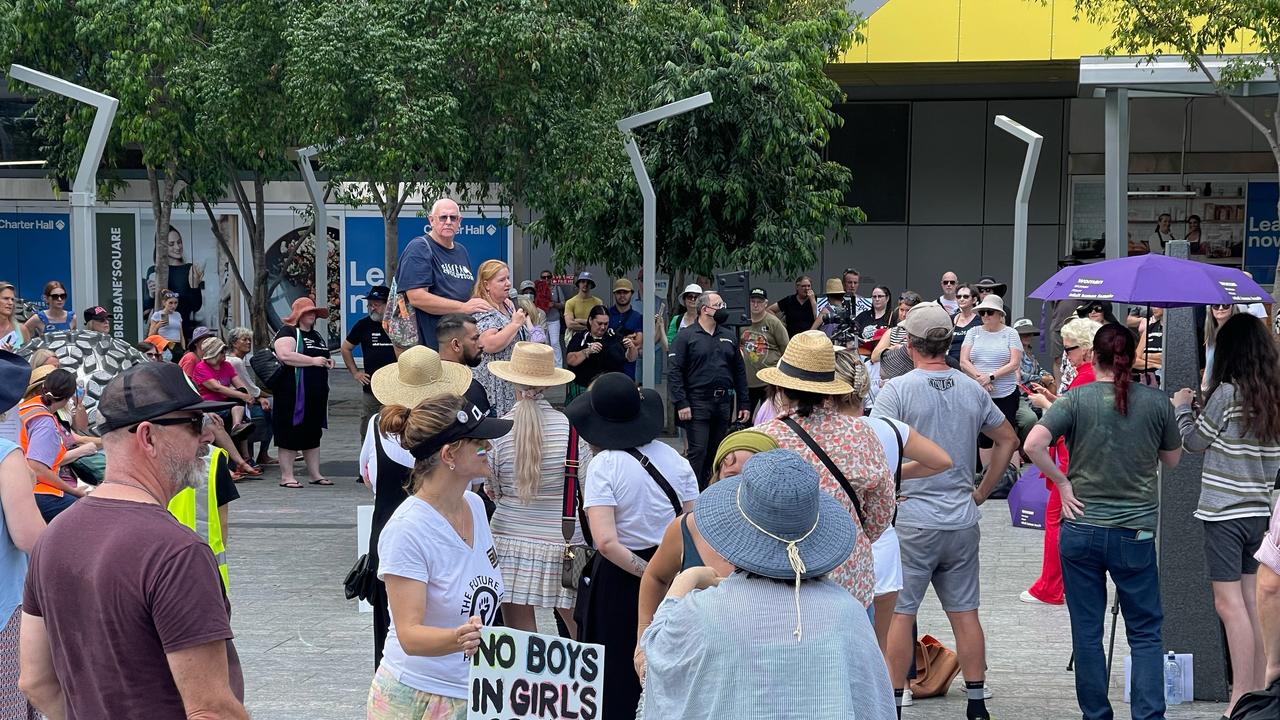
{"points": [[361, 580], [576, 558], [1259, 704]]}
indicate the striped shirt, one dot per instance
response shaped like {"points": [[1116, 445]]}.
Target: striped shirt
{"points": [[990, 351], [1239, 469]]}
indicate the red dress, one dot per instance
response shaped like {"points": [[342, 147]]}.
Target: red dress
{"points": [[1048, 587]]}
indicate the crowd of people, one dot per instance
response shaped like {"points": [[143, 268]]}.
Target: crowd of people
{"points": [[833, 455]]}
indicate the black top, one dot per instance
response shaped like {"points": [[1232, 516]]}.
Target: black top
{"points": [[702, 362], [1155, 336], [797, 316], [867, 322], [612, 358], [388, 493], [224, 487], [957, 336], [375, 346]]}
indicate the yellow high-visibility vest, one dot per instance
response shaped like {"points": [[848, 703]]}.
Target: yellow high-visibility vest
{"points": [[202, 515]]}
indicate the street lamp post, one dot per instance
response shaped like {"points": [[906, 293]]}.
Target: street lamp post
{"points": [[649, 254], [1018, 283], [320, 236], [84, 187]]}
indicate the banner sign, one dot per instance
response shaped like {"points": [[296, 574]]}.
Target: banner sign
{"points": [[37, 248], [517, 675], [486, 238], [1262, 232], [117, 252]]}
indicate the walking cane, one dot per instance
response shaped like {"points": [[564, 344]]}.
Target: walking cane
{"points": [[1111, 645]]}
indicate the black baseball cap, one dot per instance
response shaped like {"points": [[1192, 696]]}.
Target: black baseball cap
{"points": [[759, 294], [147, 391], [378, 292], [97, 312], [469, 423]]}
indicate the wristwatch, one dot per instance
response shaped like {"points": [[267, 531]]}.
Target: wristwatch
{"points": [[993, 378]]}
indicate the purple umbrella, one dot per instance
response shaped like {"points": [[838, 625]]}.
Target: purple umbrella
{"points": [[1156, 280]]}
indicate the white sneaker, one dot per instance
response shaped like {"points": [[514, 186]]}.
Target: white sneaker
{"points": [[986, 692], [1027, 597], [906, 698]]}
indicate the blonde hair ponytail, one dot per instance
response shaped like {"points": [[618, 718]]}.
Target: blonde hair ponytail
{"points": [[528, 441]]}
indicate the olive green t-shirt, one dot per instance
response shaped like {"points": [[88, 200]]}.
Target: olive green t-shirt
{"points": [[1113, 458]]}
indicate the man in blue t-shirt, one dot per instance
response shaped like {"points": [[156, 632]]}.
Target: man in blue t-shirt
{"points": [[626, 321], [435, 272]]}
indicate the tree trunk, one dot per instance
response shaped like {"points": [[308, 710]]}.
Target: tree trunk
{"points": [[162, 192], [391, 242]]}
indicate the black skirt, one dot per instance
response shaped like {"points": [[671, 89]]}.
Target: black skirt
{"points": [[608, 611]]}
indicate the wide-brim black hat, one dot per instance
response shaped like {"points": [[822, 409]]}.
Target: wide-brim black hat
{"points": [[615, 414], [989, 283], [15, 373]]}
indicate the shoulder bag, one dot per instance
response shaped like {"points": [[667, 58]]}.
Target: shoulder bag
{"points": [[360, 580], [281, 370], [401, 319], [936, 667], [831, 466], [576, 558]]}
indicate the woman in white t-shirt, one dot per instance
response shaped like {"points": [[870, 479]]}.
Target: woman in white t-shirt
{"points": [[992, 355], [920, 457], [437, 559], [167, 323], [628, 511]]}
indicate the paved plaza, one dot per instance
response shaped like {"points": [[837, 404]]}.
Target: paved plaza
{"points": [[308, 654]]}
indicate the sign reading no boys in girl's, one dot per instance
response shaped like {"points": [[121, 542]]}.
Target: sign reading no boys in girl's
{"points": [[517, 675]]}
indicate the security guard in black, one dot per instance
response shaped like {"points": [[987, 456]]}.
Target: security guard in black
{"points": [[706, 370]]}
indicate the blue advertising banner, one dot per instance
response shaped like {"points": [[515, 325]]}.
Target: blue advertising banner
{"points": [[1262, 232], [486, 238], [40, 245]]}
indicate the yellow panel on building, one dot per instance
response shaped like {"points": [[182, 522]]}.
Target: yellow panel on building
{"points": [[914, 31], [999, 31]]}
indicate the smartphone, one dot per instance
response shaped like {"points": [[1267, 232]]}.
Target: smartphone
{"points": [[1025, 389]]}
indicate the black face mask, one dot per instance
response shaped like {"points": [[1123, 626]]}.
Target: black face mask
{"points": [[721, 316]]}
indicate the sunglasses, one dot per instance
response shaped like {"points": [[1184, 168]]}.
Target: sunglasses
{"points": [[545, 277], [450, 218], [949, 282], [1220, 307], [983, 291], [984, 313], [878, 297], [195, 423], [1071, 348], [965, 296], [57, 296]]}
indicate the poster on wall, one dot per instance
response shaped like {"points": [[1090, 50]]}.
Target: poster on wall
{"points": [[199, 271], [118, 287], [37, 248], [291, 269], [486, 237], [1262, 232]]}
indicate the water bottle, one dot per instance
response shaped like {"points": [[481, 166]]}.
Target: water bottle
{"points": [[1172, 680]]}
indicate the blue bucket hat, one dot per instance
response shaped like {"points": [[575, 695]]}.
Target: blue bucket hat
{"points": [[773, 520]]}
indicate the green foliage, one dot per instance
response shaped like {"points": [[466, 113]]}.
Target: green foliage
{"points": [[741, 183]]}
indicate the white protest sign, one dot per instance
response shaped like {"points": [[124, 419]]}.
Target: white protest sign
{"points": [[517, 675]]}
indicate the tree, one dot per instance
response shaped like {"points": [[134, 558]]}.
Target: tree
{"points": [[740, 183], [1199, 29]]}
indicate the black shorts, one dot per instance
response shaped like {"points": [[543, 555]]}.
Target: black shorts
{"points": [[1229, 546]]}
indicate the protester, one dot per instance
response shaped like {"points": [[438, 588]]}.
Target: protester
{"points": [[376, 350], [716, 646], [97, 319], [167, 322], [12, 333], [938, 515], [216, 380], [240, 342], [434, 272], [707, 376], [301, 391], [184, 278], [576, 308], [501, 325], [762, 342], [163, 349], [682, 546], [855, 302], [1077, 338], [535, 323], [987, 285], [596, 351], [635, 485], [191, 357], [550, 299], [834, 311], [950, 282], [1149, 357], [626, 321], [992, 356], [1213, 322], [527, 484], [417, 376], [680, 321], [910, 455], [1239, 433], [878, 316], [20, 525], [964, 319], [890, 359], [1268, 556], [162, 646], [56, 316], [460, 343], [1100, 311], [149, 351], [1117, 432], [436, 557], [49, 446], [798, 312], [811, 426]]}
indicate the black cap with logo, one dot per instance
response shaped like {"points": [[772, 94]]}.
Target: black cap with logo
{"points": [[147, 391], [378, 292]]}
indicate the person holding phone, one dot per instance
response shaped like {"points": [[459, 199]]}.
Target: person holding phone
{"points": [[167, 323]]}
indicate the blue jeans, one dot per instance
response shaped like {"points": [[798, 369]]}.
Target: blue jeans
{"points": [[1088, 553]]}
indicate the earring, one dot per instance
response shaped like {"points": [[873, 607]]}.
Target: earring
{"points": [[452, 466]]}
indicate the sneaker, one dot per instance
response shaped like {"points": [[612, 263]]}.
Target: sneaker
{"points": [[907, 701], [1027, 597], [986, 692]]}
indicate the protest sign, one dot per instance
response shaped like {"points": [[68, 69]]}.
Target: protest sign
{"points": [[517, 675]]}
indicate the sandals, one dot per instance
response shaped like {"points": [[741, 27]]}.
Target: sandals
{"points": [[320, 481], [294, 484], [245, 468]]}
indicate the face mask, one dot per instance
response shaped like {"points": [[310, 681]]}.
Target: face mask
{"points": [[721, 316]]}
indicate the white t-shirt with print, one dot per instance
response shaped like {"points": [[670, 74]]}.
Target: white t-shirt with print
{"points": [[419, 544], [641, 510]]}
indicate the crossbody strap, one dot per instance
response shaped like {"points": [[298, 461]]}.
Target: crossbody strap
{"points": [[641, 458], [831, 466], [571, 501], [897, 471]]}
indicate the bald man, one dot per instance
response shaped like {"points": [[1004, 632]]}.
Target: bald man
{"points": [[435, 272]]}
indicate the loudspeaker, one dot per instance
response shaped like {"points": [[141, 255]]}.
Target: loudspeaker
{"points": [[735, 290]]}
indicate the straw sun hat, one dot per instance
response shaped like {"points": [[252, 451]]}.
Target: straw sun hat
{"points": [[532, 364], [808, 365], [416, 375]]}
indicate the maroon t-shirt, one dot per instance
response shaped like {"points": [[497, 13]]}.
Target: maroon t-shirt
{"points": [[119, 584]]}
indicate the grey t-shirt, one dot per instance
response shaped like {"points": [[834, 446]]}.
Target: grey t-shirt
{"points": [[951, 409]]}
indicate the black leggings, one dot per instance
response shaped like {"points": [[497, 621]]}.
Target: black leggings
{"points": [[1009, 406]]}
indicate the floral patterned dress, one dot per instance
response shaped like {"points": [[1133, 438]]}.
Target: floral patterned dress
{"points": [[854, 448], [502, 395]]}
